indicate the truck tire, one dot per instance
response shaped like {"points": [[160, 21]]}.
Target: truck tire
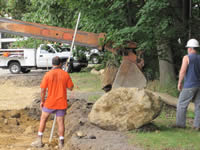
{"points": [[14, 68], [77, 69], [95, 59], [25, 70]]}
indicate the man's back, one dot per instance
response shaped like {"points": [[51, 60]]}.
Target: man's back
{"points": [[192, 78], [56, 81]]}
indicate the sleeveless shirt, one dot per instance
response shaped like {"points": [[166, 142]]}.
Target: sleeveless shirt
{"points": [[192, 77]]}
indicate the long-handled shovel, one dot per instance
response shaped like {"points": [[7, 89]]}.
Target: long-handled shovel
{"points": [[72, 45], [52, 129]]}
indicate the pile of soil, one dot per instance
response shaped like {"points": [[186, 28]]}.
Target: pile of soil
{"points": [[17, 128], [17, 92]]}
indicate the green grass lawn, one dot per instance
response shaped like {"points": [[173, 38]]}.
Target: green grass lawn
{"points": [[167, 137], [86, 82]]}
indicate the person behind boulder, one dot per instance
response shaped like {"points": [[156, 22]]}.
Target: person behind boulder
{"points": [[190, 72], [56, 81]]}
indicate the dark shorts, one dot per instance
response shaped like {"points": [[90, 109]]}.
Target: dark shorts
{"points": [[58, 112]]}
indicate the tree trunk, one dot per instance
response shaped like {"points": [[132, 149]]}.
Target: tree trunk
{"points": [[166, 65], [170, 100], [185, 10]]}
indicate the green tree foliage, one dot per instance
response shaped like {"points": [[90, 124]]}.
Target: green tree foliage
{"points": [[14, 8], [2, 7], [28, 43], [51, 12], [146, 22], [115, 18]]}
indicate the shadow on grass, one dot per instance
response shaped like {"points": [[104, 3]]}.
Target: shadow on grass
{"points": [[165, 136]]}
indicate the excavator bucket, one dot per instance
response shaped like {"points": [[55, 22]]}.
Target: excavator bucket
{"points": [[129, 75]]}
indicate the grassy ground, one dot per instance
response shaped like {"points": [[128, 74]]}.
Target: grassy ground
{"points": [[170, 88], [86, 82], [165, 137]]}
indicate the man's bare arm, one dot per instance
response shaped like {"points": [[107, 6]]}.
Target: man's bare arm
{"points": [[182, 72], [43, 94], [71, 88]]}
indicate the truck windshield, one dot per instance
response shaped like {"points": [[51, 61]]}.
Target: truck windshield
{"points": [[58, 48]]}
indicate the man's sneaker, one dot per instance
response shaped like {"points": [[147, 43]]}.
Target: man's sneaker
{"points": [[37, 143], [61, 144]]}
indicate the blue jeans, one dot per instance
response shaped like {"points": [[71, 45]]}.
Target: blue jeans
{"points": [[186, 96]]}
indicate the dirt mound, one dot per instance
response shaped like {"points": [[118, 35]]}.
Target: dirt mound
{"points": [[22, 81], [15, 95], [13, 124], [18, 130]]}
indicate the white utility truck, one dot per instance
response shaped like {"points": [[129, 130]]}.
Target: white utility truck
{"points": [[23, 60]]}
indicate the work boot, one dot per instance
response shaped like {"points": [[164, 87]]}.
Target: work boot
{"points": [[61, 144], [38, 142]]}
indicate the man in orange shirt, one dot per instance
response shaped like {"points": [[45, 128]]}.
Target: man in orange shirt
{"points": [[57, 81]]}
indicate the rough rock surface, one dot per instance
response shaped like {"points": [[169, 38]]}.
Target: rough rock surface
{"points": [[125, 109], [80, 134]]}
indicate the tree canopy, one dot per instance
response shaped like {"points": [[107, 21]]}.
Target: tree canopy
{"points": [[148, 23]]}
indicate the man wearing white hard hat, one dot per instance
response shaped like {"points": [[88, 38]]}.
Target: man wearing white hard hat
{"points": [[190, 91]]}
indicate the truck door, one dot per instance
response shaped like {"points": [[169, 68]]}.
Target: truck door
{"points": [[45, 55]]}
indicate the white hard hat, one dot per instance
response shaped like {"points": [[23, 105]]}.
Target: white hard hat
{"points": [[192, 43]]}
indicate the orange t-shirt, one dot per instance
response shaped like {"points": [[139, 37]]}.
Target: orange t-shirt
{"points": [[56, 81]]}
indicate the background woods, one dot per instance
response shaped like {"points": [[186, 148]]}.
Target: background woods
{"points": [[160, 28]]}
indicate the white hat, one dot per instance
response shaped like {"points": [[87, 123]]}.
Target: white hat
{"points": [[192, 43]]}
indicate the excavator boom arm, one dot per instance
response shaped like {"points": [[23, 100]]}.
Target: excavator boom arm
{"points": [[51, 33]]}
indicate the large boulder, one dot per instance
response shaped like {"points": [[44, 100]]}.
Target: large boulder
{"points": [[82, 135], [125, 109]]}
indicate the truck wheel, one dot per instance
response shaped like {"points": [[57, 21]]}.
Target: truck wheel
{"points": [[15, 68], [95, 59], [25, 70], [77, 69]]}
